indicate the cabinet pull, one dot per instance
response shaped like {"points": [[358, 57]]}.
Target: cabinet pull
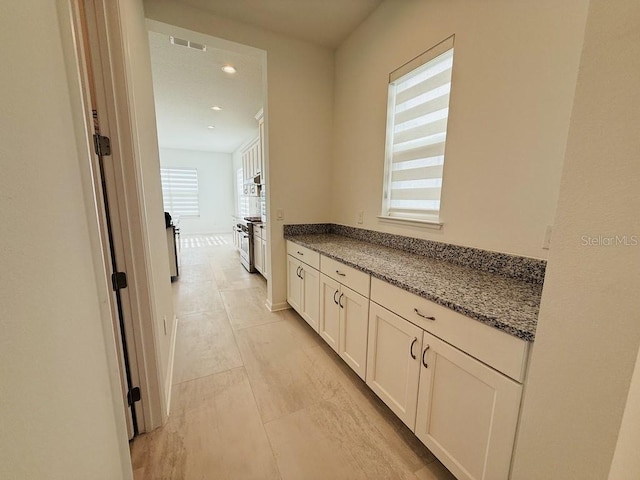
{"points": [[413, 342], [300, 253], [301, 272], [334, 297], [422, 315], [340, 273], [424, 352], [298, 272], [340, 300]]}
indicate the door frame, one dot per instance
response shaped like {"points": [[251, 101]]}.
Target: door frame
{"points": [[107, 48]]}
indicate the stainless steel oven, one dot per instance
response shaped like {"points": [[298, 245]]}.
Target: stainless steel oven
{"points": [[245, 229]]}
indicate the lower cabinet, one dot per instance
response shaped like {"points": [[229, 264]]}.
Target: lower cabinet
{"points": [[465, 412], [258, 253], [303, 290], [344, 322]]}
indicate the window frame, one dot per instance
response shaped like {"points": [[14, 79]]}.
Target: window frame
{"points": [[430, 218]]}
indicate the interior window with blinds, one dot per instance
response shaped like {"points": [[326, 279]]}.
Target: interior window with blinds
{"points": [[417, 114], [180, 192]]}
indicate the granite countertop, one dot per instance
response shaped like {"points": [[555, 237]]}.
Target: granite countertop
{"points": [[502, 302]]}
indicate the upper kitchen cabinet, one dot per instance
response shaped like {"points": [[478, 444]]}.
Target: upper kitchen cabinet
{"points": [[253, 156]]}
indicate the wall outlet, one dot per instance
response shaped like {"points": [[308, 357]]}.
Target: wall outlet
{"points": [[279, 214], [360, 217], [547, 237]]}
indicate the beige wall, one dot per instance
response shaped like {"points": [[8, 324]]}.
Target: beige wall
{"points": [[298, 114], [59, 395], [589, 327], [513, 82]]}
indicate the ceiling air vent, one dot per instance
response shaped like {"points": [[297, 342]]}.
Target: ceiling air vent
{"points": [[188, 44]]}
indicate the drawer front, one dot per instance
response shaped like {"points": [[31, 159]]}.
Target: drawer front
{"points": [[504, 352], [352, 278], [304, 254]]}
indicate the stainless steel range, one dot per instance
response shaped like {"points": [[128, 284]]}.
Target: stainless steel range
{"points": [[245, 227]]}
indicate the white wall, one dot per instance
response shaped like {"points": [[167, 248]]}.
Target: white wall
{"points": [[60, 410], [514, 74], [298, 113], [589, 327], [216, 179]]}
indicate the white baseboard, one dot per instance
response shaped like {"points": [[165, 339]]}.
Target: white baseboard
{"points": [[172, 351], [276, 307]]}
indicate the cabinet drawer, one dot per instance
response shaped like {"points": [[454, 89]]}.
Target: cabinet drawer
{"points": [[304, 254], [352, 278], [504, 352]]}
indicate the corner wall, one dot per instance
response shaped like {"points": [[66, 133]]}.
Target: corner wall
{"points": [[589, 327], [515, 66]]}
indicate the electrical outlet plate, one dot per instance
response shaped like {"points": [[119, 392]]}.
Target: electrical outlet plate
{"points": [[360, 217], [279, 214], [547, 237]]}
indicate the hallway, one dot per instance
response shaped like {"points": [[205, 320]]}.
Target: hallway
{"points": [[259, 395]]}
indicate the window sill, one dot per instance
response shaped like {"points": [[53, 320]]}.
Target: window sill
{"points": [[433, 224]]}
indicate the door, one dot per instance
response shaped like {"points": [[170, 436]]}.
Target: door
{"points": [[329, 322], [294, 284], [467, 412], [310, 295], [354, 326], [393, 364]]}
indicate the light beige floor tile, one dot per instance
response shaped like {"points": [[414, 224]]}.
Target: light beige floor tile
{"points": [[434, 471], [218, 436], [246, 308], [196, 273], [236, 277], [189, 298], [204, 345]]}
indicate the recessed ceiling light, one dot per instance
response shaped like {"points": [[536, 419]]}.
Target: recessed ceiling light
{"points": [[228, 69], [216, 108], [211, 126]]}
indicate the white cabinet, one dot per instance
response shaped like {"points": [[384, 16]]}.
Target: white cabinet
{"points": [[260, 249], [462, 409], [303, 290], [467, 412], [251, 161], [393, 365], [344, 322]]}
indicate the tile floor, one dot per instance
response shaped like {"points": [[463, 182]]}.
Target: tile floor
{"points": [[258, 395]]}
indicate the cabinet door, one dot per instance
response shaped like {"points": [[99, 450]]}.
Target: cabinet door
{"points": [[310, 295], [258, 259], [393, 362], [354, 328], [264, 252], [329, 322], [467, 412], [294, 284]]}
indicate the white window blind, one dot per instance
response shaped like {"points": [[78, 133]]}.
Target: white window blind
{"points": [[180, 191], [417, 115]]}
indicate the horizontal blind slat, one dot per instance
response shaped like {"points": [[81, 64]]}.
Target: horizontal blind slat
{"points": [[439, 80], [416, 173], [415, 194], [420, 131]]}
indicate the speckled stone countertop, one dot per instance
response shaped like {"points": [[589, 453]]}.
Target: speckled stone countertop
{"points": [[502, 302]]}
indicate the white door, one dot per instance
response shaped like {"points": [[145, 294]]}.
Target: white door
{"points": [[393, 363], [294, 284], [354, 329], [329, 321], [310, 295], [467, 412]]}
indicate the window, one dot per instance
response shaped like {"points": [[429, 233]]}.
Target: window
{"points": [[417, 114], [180, 191], [243, 201]]}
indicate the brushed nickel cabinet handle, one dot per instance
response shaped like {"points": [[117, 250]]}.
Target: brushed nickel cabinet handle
{"points": [[340, 273], [422, 315], [413, 342], [424, 352]]}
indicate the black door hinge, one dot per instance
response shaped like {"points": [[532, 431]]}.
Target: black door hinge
{"points": [[119, 280], [133, 395], [102, 145]]}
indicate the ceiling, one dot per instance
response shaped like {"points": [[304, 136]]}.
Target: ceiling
{"points": [[188, 82], [323, 22]]}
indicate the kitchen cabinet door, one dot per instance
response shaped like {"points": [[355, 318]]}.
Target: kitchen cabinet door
{"points": [[393, 363], [310, 295], [264, 253], [467, 412], [354, 329], [258, 249], [294, 284], [329, 324]]}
